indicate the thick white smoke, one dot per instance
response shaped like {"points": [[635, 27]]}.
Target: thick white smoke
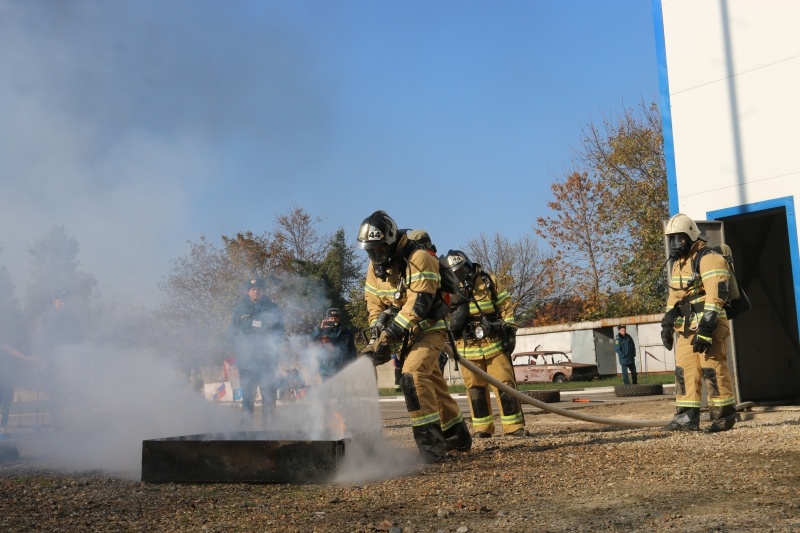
{"points": [[127, 122], [115, 398]]}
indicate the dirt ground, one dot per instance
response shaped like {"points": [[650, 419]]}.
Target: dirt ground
{"points": [[571, 476]]}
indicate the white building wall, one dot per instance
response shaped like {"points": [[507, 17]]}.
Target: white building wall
{"points": [[733, 71], [557, 341], [654, 357]]}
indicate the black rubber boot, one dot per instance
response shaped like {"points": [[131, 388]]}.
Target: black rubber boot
{"points": [[685, 419], [457, 438], [722, 418], [430, 442]]}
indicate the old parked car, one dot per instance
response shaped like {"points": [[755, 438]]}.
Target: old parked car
{"points": [[545, 366]]}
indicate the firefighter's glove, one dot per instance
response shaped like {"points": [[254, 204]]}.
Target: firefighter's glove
{"points": [[380, 349], [394, 332], [497, 328], [670, 317], [510, 343], [705, 329], [701, 343], [377, 357], [667, 337], [668, 327]]}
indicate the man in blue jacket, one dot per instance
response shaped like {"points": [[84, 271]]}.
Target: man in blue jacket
{"points": [[257, 333], [626, 351]]}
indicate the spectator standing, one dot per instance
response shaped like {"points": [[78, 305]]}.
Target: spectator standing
{"points": [[257, 334], [626, 352], [337, 342]]}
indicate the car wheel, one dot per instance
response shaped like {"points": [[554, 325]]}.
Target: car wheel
{"points": [[546, 396], [559, 378], [647, 389]]}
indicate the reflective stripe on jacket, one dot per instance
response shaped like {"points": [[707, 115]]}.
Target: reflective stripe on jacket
{"points": [[702, 292], [482, 304], [421, 285]]}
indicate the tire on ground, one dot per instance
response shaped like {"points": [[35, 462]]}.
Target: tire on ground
{"points": [[646, 389], [546, 396]]}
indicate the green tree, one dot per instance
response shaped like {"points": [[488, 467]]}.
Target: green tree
{"points": [[627, 154], [584, 253], [340, 270], [303, 278], [54, 265], [520, 268]]}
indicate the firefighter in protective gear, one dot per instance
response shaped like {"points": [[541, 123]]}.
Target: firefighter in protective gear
{"points": [[698, 291], [406, 309], [482, 322], [421, 236]]}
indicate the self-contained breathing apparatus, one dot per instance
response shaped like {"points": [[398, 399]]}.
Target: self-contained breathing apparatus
{"points": [[385, 322], [736, 300], [463, 323]]}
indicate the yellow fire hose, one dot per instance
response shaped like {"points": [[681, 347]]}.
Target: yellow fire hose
{"points": [[567, 412]]}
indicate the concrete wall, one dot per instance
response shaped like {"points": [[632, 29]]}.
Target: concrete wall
{"points": [[732, 78], [646, 332]]}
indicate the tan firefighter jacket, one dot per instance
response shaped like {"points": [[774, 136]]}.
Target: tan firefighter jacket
{"points": [[416, 281], [706, 290], [482, 305]]}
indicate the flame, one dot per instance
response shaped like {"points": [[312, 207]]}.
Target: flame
{"points": [[336, 425]]}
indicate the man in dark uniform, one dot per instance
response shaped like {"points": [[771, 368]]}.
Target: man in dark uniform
{"points": [[626, 352], [256, 331], [337, 342]]}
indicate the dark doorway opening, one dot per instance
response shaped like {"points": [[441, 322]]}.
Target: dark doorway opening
{"points": [[766, 341]]}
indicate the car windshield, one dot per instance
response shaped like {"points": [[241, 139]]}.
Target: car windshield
{"points": [[554, 358]]}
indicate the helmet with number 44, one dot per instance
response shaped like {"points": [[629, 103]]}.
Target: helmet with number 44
{"points": [[378, 236]]}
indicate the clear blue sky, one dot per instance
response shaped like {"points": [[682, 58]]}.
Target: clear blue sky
{"points": [[142, 124]]}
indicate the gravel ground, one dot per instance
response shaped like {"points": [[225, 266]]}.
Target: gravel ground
{"points": [[571, 476]]}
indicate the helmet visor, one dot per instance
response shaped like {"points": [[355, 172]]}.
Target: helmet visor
{"points": [[461, 270], [378, 252]]}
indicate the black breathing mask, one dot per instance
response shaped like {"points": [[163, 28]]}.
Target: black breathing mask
{"points": [[381, 271], [468, 287], [679, 245]]}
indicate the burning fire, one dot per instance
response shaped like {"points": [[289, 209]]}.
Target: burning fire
{"points": [[336, 425]]}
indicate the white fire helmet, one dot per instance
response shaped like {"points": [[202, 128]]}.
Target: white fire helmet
{"points": [[681, 223]]}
